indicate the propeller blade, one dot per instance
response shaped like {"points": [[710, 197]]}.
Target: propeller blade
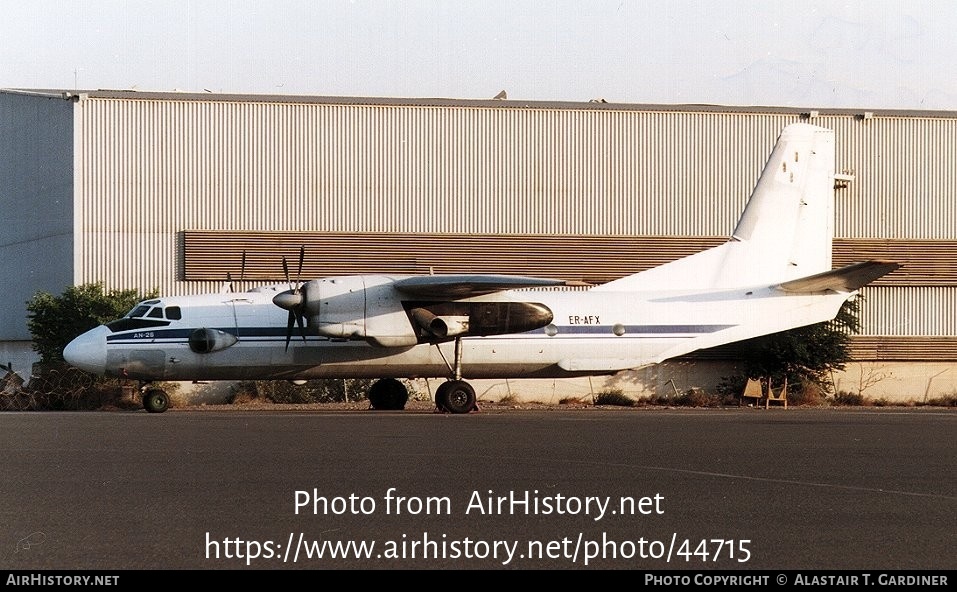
{"points": [[289, 324], [302, 327], [285, 270]]}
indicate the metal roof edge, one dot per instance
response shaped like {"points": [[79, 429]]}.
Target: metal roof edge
{"points": [[594, 105]]}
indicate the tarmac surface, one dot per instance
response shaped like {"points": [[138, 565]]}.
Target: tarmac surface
{"points": [[557, 488]]}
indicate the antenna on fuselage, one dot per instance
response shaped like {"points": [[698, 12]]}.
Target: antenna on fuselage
{"points": [[242, 270], [228, 286]]}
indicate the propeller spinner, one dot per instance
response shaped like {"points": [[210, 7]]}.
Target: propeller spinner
{"points": [[293, 300]]}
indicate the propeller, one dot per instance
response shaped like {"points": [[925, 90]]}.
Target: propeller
{"points": [[293, 300]]}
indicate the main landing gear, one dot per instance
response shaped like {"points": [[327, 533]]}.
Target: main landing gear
{"points": [[388, 394], [452, 396], [455, 395]]}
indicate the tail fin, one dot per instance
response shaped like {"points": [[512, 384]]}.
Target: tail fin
{"points": [[784, 233]]}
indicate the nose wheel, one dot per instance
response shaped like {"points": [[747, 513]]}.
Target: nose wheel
{"points": [[155, 400]]}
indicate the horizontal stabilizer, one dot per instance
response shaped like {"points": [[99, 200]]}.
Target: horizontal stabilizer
{"points": [[846, 279], [462, 286]]}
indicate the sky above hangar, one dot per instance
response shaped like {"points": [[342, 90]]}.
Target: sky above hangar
{"points": [[870, 54]]}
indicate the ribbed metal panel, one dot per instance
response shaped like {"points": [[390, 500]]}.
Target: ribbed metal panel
{"points": [[864, 348], [909, 311], [906, 181], [211, 255], [597, 259], [406, 169], [924, 262], [909, 349]]}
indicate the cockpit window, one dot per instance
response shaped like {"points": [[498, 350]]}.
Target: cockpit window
{"points": [[145, 310], [139, 311]]}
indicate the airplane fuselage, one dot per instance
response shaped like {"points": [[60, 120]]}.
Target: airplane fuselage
{"points": [[242, 336]]}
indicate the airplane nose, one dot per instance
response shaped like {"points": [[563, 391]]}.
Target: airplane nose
{"points": [[88, 351]]}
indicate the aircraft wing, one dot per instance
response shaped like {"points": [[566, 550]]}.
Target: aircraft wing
{"points": [[464, 285], [846, 279]]}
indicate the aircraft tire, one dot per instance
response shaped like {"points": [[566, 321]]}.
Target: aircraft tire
{"points": [[459, 396], [155, 400], [442, 397], [388, 394]]}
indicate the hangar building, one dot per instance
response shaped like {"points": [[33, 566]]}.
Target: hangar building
{"points": [[167, 191]]}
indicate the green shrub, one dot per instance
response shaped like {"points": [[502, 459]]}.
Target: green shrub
{"points": [[847, 398], [327, 390], [802, 355], [508, 399], [614, 397], [55, 320], [697, 398], [943, 401]]}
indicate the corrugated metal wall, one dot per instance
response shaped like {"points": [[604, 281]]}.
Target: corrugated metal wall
{"points": [[36, 203], [150, 169]]}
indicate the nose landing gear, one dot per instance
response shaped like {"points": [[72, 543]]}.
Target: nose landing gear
{"points": [[155, 400]]}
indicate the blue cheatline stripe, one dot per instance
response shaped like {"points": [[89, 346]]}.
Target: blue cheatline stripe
{"points": [[638, 329], [266, 334], [154, 334]]}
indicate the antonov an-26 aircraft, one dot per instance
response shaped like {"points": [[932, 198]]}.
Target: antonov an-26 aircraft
{"points": [[773, 274]]}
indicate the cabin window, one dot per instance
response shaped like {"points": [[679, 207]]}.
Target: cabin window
{"points": [[173, 313]]}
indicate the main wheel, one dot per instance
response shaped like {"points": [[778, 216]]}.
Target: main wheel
{"points": [[458, 396], [388, 394], [155, 400], [442, 397]]}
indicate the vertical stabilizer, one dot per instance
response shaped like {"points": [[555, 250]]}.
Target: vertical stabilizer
{"points": [[784, 233], [788, 225]]}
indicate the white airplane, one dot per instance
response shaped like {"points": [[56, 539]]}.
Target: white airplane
{"points": [[773, 274]]}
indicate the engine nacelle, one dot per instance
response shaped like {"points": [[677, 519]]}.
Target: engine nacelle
{"points": [[441, 326], [451, 319], [205, 341], [336, 307], [358, 307]]}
